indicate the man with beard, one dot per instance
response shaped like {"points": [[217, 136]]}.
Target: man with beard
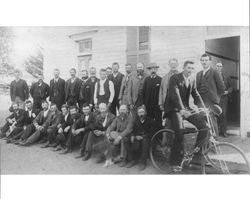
{"points": [[135, 85], [123, 96], [70, 116], [173, 65], [123, 126], [37, 129], [143, 129], [116, 77], [104, 90], [14, 122], [29, 115], [150, 94], [210, 85], [52, 126], [91, 82], [103, 121], [80, 130], [181, 87], [39, 91], [72, 89], [57, 89], [85, 95], [19, 90]]}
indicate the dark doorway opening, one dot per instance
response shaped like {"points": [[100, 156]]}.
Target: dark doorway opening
{"points": [[227, 50]]}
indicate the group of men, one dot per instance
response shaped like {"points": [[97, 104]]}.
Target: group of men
{"points": [[116, 115]]}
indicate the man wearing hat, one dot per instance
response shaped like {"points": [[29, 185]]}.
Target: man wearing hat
{"points": [[150, 94]]}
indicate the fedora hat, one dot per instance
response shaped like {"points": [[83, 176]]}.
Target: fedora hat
{"points": [[152, 65]]}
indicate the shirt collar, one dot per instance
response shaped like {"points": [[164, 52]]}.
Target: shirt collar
{"points": [[205, 70]]}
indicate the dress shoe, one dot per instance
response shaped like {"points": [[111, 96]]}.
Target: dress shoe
{"points": [[58, 148], [23, 144], [131, 164], [123, 163], [142, 166], [66, 151], [100, 159], [79, 156], [53, 145], [86, 156], [46, 145], [42, 141]]}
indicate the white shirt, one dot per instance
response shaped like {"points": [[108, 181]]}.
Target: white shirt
{"points": [[56, 79], [30, 113], [205, 70], [186, 79], [45, 113], [65, 117], [73, 79], [105, 121], [86, 118], [102, 92], [115, 74]]}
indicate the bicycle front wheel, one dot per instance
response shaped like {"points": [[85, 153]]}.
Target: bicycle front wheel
{"points": [[225, 158]]}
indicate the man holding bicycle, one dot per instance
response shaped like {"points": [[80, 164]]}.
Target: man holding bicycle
{"points": [[181, 87]]}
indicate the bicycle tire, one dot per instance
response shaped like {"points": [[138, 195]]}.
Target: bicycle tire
{"points": [[159, 151], [224, 158]]}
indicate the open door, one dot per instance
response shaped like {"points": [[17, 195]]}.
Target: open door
{"points": [[227, 50]]}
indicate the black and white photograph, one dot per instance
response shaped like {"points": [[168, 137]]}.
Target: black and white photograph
{"points": [[125, 100]]}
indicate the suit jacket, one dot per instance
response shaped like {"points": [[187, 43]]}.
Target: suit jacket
{"points": [[54, 120], [85, 96], [122, 126], [164, 87], [39, 92], [81, 123], [123, 96], [78, 83], [145, 129], [29, 118], [117, 83], [19, 89], [99, 122], [61, 91], [135, 86], [40, 119], [71, 119], [213, 83], [179, 94], [19, 117]]}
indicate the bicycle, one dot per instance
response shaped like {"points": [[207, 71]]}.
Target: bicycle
{"points": [[217, 157]]}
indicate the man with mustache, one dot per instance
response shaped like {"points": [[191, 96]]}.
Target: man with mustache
{"points": [[150, 94], [39, 92]]}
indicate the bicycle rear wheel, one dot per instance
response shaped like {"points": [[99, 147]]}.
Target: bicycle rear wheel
{"points": [[224, 158], [161, 144]]}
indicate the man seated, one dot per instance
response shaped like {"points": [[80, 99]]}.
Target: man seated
{"points": [[123, 126], [143, 129], [37, 129], [14, 122], [52, 126], [181, 87], [103, 120], [70, 115], [29, 115], [80, 130]]}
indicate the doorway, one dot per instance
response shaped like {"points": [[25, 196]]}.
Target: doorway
{"points": [[227, 50]]}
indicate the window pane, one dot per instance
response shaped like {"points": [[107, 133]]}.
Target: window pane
{"points": [[85, 45], [143, 37]]}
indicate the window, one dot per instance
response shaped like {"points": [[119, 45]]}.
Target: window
{"points": [[85, 45], [143, 38]]}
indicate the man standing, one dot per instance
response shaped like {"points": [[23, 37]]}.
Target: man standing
{"points": [[72, 89], [85, 92], [123, 96], [209, 85], [222, 119], [39, 91], [173, 65], [181, 87], [91, 82], [108, 71], [19, 90], [150, 94], [57, 92], [116, 77], [135, 86], [104, 90]]}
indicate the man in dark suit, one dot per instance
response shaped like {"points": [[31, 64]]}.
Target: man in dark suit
{"points": [[181, 87], [116, 77], [57, 89], [19, 90], [85, 95], [70, 116], [222, 119], [150, 94], [72, 88], [14, 122], [135, 86], [39, 92], [210, 85], [52, 123], [29, 115], [102, 122], [80, 130], [37, 129]]}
